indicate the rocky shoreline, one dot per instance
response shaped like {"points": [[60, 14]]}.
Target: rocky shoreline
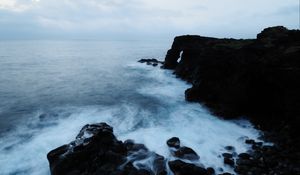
{"points": [[257, 78], [96, 150]]}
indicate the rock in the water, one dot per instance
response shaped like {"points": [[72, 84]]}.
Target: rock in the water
{"points": [[244, 156], [230, 148], [97, 151], [186, 153], [210, 171], [227, 155], [179, 167], [159, 164], [228, 161], [174, 142], [153, 62]]}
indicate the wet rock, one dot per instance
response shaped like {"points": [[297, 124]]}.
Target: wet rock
{"points": [[179, 167], [225, 174], [220, 169], [249, 141], [210, 171], [159, 165], [95, 150], [227, 155], [229, 161], [230, 148], [129, 169], [174, 142], [153, 62], [186, 153], [244, 156]]}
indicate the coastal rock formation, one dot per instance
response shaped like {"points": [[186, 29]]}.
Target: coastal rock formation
{"points": [[255, 77], [258, 78], [97, 151]]}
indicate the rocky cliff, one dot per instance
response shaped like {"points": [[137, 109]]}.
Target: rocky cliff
{"points": [[258, 78]]}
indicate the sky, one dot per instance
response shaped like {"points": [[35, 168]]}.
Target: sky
{"points": [[142, 19]]}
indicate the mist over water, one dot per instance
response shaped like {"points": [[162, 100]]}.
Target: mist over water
{"points": [[50, 89]]}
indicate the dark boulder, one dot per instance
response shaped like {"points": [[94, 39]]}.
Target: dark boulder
{"points": [[186, 153], [229, 161], [95, 150], [210, 171], [230, 148], [174, 142], [244, 156], [227, 155], [179, 167]]}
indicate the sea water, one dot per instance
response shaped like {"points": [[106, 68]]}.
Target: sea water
{"points": [[50, 89]]}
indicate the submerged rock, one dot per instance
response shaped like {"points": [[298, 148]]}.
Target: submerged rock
{"points": [[230, 148]]}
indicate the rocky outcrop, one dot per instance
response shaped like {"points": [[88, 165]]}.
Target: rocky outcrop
{"points": [[97, 151], [257, 78], [154, 62]]}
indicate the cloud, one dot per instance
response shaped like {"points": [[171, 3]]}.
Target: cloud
{"points": [[17, 5], [148, 18]]}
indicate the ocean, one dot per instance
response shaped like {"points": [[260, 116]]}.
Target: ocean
{"points": [[50, 89]]}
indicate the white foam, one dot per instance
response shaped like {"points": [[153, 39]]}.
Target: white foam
{"points": [[194, 125]]}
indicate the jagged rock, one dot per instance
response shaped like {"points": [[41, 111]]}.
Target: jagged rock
{"points": [[179, 167], [97, 151]]}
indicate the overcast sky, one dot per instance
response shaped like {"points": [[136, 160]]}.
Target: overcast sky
{"points": [[141, 19]]}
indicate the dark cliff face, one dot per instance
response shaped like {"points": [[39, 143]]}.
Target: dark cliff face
{"points": [[258, 78]]}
